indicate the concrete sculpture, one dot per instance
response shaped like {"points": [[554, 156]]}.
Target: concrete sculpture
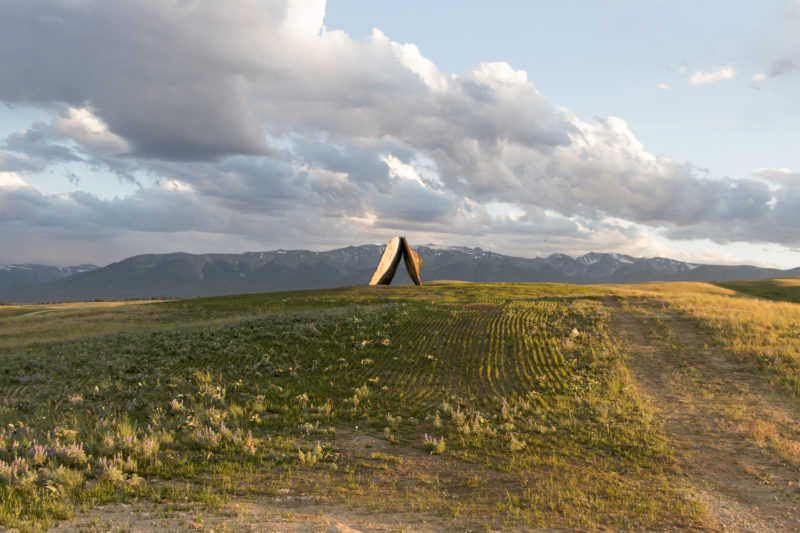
{"points": [[397, 248]]}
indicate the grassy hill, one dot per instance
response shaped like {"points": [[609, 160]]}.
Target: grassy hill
{"points": [[781, 289], [474, 406]]}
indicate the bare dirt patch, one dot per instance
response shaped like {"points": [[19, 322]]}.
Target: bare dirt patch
{"points": [[704, 398], [281, 515]]}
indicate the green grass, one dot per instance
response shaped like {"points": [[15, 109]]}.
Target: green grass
{"points": [[780, 290], [489, 404], [758, 331]]}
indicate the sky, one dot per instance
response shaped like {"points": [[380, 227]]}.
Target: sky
{"points": [[650, 127]]}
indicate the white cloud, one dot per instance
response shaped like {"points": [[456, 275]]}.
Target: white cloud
{"points": [[402, 170], [759, 76], [514, 216], [715, 74], [85, 128], [367, 138], [410, 57], [663, 86], [10, 181], [173, 185]]}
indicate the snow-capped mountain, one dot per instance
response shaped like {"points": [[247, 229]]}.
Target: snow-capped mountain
{"points": [[33, 274], [187, 275]]}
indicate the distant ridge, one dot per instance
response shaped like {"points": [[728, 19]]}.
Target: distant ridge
{"points": [[33, 274], [185, 275]]}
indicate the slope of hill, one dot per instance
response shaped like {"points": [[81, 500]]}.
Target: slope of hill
{"points": [[419, 403], [187, 275], [780, 290], [499, 407]]}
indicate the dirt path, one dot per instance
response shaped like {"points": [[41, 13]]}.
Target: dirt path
{"points": [[276, 515], [710, 405]]}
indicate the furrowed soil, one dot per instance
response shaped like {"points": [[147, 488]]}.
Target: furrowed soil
{"points": [[481, 407], [693, 386]]}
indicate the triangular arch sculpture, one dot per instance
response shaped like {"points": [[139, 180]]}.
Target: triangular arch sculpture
{"points": [[397, 248]]}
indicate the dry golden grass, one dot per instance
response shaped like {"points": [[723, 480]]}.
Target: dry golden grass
{"points": [[756, 330], [762, 334], [22, 325]]}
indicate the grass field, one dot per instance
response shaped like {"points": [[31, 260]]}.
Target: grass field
{"points": [[780, 290], [485, 405], [763, 330]]}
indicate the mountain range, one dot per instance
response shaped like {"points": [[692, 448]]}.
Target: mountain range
{"points": [[11, 275], [183, 275]]}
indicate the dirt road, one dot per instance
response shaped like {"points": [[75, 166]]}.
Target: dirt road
{"points": [[712, 407]]}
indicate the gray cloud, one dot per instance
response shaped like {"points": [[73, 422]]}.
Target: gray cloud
{"points": [[37, 142], [780, 68], [363, 165], [64, 141], [148, 210], [162, 75], [179, 97], [410, 204], [779, 176], [14, 163]]}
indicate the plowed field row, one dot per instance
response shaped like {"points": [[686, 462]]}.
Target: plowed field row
{"points": [[479, 351]]}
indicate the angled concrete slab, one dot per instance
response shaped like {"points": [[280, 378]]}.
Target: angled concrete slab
{"points": [[397, 248], [413, 262], [387, 266]]}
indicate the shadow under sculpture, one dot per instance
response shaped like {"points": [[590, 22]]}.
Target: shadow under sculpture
{"points": [[397, 248]]}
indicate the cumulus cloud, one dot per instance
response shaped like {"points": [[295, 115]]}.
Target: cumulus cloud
{"points": [[72, 136], [86, 129], [10, 181], [713, 75], [252, 119], [165, 76]]}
